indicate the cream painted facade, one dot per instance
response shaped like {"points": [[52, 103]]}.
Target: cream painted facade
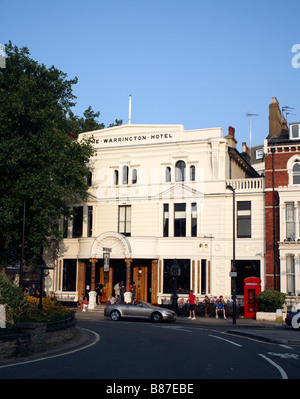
{"points": [[137, 191]]}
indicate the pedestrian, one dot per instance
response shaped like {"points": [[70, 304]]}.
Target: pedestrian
{"points": [[99, 292], [220, 308], [117, 289], [122, 290], [191, 301], [133, 291]]}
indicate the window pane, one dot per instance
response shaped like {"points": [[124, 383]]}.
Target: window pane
{"points": [[168, 174], [166, 221], [179, 220], [180, 171], [194, 220], [134, 176], [192, 173], [290, 221], [183, 280], [77, 222], [243, 219], [69, 275], [125, 174], [295, 131], [116, 177], [125, 220], [290, 275], [90, 222], [296, 173]]}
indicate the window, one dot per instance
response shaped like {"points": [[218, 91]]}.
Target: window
{"points": [[125, 174], [125, 220], [90, 221], [180, 171], [166, 220], [296, 173], [259, 153], [168, 174], [65, 227], [116, 177], [194, 220], [192, 173], [69, 275], [183, 280], [90, 179], [290, 221], [77, 222], [134, 176], [244, 219], [203, 276], [290, 274], [294, 132], [179, 220]]}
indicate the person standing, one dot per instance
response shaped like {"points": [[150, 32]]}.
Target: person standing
{"points": [[192, 305], [117, 289], [122, 290], [133, 291]]}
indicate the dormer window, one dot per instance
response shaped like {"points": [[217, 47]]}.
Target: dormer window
{"points": [[295, 131]]}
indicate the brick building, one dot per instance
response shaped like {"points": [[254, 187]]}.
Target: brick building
{"points": [[282, 199]]}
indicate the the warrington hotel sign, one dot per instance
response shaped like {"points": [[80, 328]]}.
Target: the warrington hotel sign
{"points": [[131, 139]]}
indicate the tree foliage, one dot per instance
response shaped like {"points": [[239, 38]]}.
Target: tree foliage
{"points": [[41, 165]]}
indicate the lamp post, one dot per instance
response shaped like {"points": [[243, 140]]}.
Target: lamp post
{"points": [[175, 273], [233, 272], [43, 268]]}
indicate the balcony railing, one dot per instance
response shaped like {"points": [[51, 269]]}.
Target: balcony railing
{"points": [[247, 184]]}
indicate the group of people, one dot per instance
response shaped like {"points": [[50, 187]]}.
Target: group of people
{"points": [[217, 303], [33, 291], [120, 289]]}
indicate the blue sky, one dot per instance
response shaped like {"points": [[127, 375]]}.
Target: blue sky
{"points": [[194, 62]]}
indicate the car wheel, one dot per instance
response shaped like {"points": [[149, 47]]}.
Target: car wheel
{"points": [[115, 315], [156, 317]]}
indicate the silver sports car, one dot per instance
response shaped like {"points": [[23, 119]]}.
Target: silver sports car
{"points": [[142, 311]]}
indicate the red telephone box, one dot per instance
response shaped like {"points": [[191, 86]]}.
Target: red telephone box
{"points": [[252, 287]]}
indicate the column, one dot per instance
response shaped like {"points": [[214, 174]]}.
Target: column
{"points": [[128, 294], [92, 293]]}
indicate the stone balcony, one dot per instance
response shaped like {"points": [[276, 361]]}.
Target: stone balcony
{"points": [[250, 185]]}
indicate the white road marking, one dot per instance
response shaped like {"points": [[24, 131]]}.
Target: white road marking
{"points": [[97, 339], [227, 340], [282, 372]]}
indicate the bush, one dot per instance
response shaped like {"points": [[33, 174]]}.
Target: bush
{"points": [[51, 311], [270, 300], [16, 305]]}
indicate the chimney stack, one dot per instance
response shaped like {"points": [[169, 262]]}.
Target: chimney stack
{"points": [[230, 137], [277, 121]]}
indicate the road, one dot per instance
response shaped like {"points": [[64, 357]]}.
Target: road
{"points": [[180, 351]]}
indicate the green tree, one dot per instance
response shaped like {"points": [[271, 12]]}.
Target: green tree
{"points": [[41, 165]]}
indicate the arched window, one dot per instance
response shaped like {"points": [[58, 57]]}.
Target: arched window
{"points": [[192, 173], [90, 179], [296, 173], [180, 171], [168, 174], [125, 174], [116, 177], [134, 176]]}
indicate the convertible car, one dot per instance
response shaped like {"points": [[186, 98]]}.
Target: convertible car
{"points": [[142, 311], [293, 319]]}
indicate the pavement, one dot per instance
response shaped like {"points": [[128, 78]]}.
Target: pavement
{"points": [[264, 331]]}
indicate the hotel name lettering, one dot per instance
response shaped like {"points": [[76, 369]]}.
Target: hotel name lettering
{"points": [[134, 138]]}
